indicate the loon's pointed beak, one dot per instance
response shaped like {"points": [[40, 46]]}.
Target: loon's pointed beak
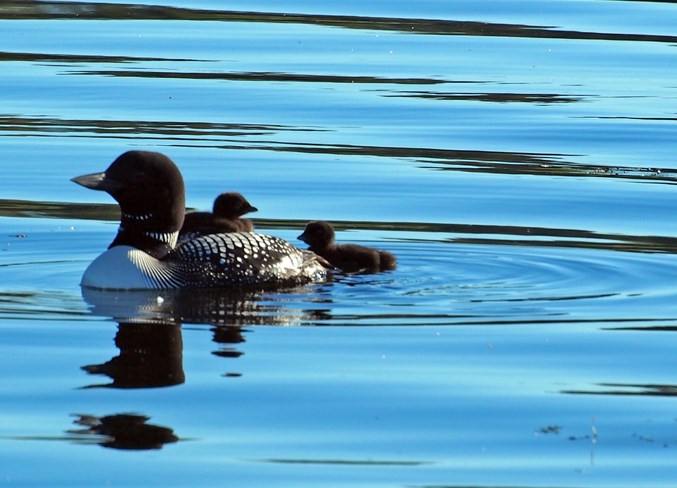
{"points": [[252, 209], [97, 181], [302, 237]]}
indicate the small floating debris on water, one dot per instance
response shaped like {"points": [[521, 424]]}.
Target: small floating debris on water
{"points": [[550, 429], [160, 300]]}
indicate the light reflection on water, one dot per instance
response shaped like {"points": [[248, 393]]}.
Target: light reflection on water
{"points": [[517, 157]]}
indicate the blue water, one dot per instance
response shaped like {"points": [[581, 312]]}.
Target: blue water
{"points": [[518, 159]]}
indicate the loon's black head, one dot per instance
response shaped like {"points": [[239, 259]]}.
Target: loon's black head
{"points": [[318, 234], [149, 188], [231, 205]]}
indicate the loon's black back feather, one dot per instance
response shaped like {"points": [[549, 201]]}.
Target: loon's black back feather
{"points": [[244, 258]]}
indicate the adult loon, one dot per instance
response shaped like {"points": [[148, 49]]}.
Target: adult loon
{"points": [[319, 235], [150, 191], [226, 216]]}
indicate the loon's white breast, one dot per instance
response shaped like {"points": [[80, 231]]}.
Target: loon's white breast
{"points": [[127, 268]]}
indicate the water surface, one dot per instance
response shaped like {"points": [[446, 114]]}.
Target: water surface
{"points": [[517, 157]]}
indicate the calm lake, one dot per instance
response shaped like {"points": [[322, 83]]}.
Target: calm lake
{"points": [[517, 156]]}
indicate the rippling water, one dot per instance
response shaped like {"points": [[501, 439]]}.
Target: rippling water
{"points": [[516, 156]]}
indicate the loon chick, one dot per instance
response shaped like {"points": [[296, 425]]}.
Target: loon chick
{"points": [[228, 208], [150, 191], [319, 235]]}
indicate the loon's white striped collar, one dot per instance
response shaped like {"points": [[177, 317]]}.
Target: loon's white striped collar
{"points": [[136, 217], [169, 238]]}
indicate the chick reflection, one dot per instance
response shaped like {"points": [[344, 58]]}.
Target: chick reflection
{"points": [[123, 431], [227, 336], [151, 355]]}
